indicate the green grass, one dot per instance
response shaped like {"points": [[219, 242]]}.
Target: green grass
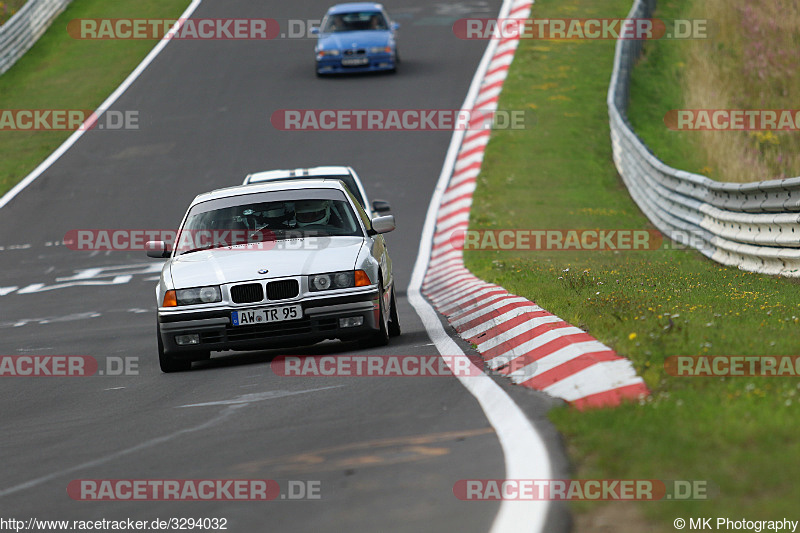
{"points": [[741, 434], [742, 65], [64, 73], [657, 86]]}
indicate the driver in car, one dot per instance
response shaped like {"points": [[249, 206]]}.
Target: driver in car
{"points": [[267, 220], [312, 213], [276, 217]]}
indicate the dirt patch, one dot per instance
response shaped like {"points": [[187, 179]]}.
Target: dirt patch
{"points": [[617, 517]]}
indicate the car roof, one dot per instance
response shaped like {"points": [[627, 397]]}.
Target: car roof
{"points": [[240, 190], [355, 6], [300, 172]]}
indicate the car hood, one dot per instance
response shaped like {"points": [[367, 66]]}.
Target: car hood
{"points": [[287, 258], [363, 39]]}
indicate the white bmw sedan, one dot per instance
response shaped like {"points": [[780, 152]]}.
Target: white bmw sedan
{"points": [[273, 265]]}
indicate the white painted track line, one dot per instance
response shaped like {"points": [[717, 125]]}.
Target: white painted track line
{"points": [[66, 145], [524, 450]]}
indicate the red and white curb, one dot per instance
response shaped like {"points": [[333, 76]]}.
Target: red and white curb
{"points": [[545, 352]]}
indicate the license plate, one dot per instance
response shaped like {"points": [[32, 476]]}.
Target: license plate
{"points": [[355, 61], [265, 316]]}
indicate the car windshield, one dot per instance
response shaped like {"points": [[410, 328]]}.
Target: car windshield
{"points": [[267, 217], [355, 21]]}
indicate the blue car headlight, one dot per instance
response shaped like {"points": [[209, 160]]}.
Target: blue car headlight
{"points": [[326, 53], [380, 50]]}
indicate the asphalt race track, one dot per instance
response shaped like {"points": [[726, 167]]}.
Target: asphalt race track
{"points": [[385, 452]]}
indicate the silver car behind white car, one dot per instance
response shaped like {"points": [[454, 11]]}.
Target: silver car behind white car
{"points": [[346, 174], [273, 265]]}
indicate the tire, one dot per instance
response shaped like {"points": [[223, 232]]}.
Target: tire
{"points": [[394, 321], [380, 337], [167, 362]]}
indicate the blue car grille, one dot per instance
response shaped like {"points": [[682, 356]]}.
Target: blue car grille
{"points": [[355, 52]]}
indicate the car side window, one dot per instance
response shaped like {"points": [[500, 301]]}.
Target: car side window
{"points": [[351, 186], [360, 210]]}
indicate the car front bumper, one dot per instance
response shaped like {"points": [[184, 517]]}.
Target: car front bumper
{"points": [[376, 62], [320, 321]]}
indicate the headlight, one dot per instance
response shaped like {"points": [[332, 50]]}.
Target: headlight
{"points": [[380, 49], [331, 52], [198, 295], [338, 280]]}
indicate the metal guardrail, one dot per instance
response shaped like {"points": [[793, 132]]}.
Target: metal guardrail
{"points": [[754, 226], [25, 27]]}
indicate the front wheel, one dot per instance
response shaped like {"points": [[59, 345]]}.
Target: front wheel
{"points": [[167, 362], [394, 321], [380, 337]]}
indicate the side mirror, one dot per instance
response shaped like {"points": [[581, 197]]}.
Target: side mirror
{"points": [[383, 224], [395, 26], [381, 206], [157, 249], [314, 30]]}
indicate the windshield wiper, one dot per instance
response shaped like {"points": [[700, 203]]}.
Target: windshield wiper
{"points": [[209, 247]]}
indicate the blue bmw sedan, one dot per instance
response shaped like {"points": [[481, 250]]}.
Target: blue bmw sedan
{"points": [[356, 37]]}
